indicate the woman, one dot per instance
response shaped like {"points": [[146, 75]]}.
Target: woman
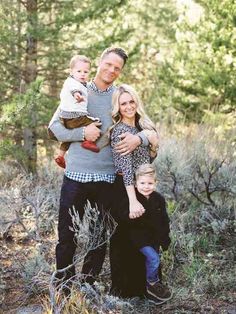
{"points": [[127, 264]]}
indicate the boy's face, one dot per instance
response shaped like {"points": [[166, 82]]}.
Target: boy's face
{"points": [[146, 185], [80, 71]]}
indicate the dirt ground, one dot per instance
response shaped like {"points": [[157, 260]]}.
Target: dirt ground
{"points": [[16, 300]]}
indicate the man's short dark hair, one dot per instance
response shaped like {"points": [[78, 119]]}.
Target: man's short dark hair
{"points": [[117, 50]]}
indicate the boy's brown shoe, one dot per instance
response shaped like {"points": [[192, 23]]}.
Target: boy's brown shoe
{"points": [[159, 291]]}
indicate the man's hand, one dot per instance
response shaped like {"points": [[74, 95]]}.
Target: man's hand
{"points": [[92, 132], [128, 143], [79, 98]]}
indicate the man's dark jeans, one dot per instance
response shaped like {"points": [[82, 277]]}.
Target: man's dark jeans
{"points": [[75, 195]]}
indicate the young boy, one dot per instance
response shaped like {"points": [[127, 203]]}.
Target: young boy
{"points": [[151, 231], [73, 104]]}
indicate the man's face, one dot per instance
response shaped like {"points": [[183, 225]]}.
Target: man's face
{"points": [[110, 67]]}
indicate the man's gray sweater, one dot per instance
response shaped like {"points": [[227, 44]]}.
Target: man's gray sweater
{"points": [[82, 160]]}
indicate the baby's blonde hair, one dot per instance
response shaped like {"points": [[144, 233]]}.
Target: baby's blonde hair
{"points": [[77, 58], [146, 170]]}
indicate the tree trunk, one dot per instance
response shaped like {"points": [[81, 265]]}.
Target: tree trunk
{"points": [[53, 46], [30, 74]]}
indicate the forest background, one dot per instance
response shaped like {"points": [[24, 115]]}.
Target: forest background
{"points": [[182, 60]]}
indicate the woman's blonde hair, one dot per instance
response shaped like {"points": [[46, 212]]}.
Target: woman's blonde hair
{"points": [[142, 121], [146, 170]]}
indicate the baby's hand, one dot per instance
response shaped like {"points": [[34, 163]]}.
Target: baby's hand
{"points": [[79, 98]]}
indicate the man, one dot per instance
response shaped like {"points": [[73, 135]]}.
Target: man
{"points": [[88, 175]]}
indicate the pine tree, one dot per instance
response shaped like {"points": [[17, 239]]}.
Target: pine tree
{"points": [[39, 38]]}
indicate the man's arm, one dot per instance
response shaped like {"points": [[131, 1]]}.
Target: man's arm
{"points": [[129, 142], [63, 134]]}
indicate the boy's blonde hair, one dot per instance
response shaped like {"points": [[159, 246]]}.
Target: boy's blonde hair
{"points": [[77, 58], [146, 170]]}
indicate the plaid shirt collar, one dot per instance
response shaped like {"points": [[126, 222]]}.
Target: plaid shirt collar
{"points": [[93, 86]]}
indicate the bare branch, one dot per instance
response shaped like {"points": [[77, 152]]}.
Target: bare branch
{"points": [[91, 232]]}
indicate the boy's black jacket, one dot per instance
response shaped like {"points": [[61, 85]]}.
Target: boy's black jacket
{"points": [[152, 228]]}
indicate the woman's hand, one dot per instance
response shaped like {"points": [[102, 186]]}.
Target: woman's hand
{"points": [[152, 137], [136, 209], [153, 140]]}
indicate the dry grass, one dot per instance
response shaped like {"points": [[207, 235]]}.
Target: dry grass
{"points": [[197, 174]]}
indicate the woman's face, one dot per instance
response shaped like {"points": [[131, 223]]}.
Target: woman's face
{"points": [[127, 108]]}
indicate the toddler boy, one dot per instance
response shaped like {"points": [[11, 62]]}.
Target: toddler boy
{"points": [[73, 104]]}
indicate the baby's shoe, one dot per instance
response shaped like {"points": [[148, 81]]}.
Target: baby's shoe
{"points": [[60, 160]]}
